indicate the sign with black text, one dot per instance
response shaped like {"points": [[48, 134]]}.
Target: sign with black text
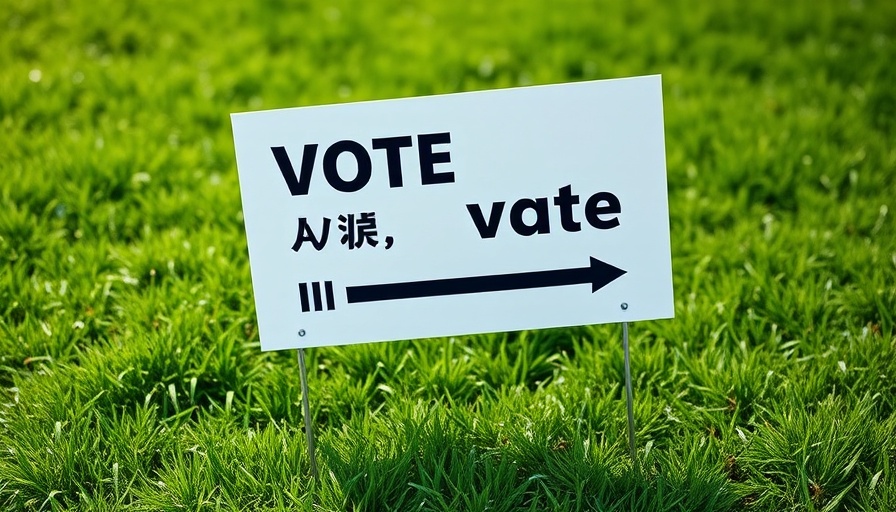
{"points": [[465, 213]]}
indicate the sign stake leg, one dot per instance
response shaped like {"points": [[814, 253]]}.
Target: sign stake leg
{"points": [[628, 392], [309, 434]]}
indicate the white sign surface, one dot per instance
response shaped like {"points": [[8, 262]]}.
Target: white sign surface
{"points": [[464, 213]]}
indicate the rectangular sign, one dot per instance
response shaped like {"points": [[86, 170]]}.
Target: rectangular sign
{"points": [[465, 213]]}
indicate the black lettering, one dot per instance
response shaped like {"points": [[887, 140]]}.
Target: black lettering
{"points": [[593, 210], [486, 229], [393, 146], [331, 172], [305, 234], [297, 187], [542, 221], [428, 159], [565, 199]]}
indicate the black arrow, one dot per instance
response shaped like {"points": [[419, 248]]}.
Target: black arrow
{"points": [[598, 273]]}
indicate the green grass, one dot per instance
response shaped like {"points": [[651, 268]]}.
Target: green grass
{"points": [[130, 371]]}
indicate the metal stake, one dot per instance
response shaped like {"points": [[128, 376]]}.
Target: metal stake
{"points": [[628, 392], [309, 435]]}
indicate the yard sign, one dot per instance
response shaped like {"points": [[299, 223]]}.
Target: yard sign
{"points": [[463, 213]]}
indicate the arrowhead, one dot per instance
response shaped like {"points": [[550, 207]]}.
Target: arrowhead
{"points": [[603, 274]]}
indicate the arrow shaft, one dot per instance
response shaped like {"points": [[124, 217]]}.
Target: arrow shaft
{"points": [[464, 285]]}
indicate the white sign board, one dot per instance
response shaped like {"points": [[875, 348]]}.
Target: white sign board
{"points": [[464, 213]]}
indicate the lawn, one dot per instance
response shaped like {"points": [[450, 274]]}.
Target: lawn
{"points": [[131, 376]]}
